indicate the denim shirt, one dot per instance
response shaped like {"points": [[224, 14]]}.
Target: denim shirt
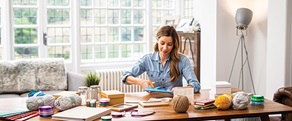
{"points": [[151, 64]]}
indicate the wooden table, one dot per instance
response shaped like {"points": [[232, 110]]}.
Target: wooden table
{"points": [[167, 113]]}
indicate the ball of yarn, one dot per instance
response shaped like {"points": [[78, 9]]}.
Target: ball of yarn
{"points": [[33, 103], [67, 102], [240, 101], [180, 104], [223, 102]]}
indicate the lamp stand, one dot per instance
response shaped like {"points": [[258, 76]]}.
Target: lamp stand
{"points": [[243, 61]]}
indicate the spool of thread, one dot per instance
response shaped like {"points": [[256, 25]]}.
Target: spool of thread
{"points": [[46, 111], [106, 118], [257, 100], [93, 103], [88, 102], [104, 102]]}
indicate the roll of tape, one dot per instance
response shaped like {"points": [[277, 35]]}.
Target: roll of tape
{"points": [[46, 111]]}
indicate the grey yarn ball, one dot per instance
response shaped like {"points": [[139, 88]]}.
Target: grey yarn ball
{"points": [[67, 102], [33, 103], [240, 101]]}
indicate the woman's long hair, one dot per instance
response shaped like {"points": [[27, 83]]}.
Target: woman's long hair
{"points": [[174, 56]]}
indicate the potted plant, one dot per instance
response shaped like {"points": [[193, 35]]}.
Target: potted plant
{"points": [[91, 79], [92, 82]]}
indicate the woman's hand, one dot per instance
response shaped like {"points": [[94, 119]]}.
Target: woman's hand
{"points": [[144, 83]]}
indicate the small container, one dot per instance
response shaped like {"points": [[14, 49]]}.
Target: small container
{"points": [[106, 118], [104, 102], [46, 111], [95, 92], [93, 103], [88, 102], [257, 100], [83, 94]]}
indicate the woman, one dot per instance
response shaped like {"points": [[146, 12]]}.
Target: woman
{"points": [[166, 66]]}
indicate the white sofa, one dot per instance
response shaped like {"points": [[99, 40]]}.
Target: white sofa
{"points": [[19, 77]]}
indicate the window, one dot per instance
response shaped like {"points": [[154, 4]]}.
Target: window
{"points": [[104, 31], [189, 8], [25, 29], [38, 35], [58, 29], [112, 30], [160, 9]]}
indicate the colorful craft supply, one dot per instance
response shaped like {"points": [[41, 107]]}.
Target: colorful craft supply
{"points": [[33, 103], [46, 111], [180, 103], [22, 116], [223, 102], [88, 103], [136, 113], [257, 100], [116, 114], [104, 102], [240, 101], [35, 93], [66, 102], [93, 103], [106, 118]]}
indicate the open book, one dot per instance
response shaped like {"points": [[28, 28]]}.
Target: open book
{"points": [[81, 113]]}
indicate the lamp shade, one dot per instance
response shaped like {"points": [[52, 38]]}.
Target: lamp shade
{"points": [[243, 17]]}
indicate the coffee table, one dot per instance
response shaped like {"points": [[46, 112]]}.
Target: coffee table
{"points": [[167, 113]]}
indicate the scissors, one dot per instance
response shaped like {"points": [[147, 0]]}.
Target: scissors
{"points": [[151, 83]]}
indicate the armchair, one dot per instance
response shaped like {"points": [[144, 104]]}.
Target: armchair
{"points": [[284, 96]]}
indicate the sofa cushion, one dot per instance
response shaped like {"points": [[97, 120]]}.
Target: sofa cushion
{"points": [[21, 76]]}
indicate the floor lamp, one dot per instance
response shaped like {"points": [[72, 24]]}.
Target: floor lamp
{"points": [[243, 17]]}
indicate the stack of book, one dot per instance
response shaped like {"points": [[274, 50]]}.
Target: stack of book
{"points": [[203, 104]]}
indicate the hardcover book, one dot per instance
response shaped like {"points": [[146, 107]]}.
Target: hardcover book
{"points": [[81, 113], [204, 101]]}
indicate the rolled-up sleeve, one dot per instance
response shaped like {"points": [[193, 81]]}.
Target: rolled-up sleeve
{"points": [[189, 74], [135, 71]]}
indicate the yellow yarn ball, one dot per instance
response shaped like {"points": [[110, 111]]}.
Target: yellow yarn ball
{"points": [[223, 102]]}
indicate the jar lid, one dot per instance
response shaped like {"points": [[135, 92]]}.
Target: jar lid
{"points": [[94, 86], [82, 87]]}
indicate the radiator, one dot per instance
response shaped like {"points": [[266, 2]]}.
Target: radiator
{"points": [[111, 80]]}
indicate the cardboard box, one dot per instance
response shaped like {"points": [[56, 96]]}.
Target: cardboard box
{"points": [[222, 87], [115, 96]]}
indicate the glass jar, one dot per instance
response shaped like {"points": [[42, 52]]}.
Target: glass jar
{"points": [[83, 94], [95, 92]]}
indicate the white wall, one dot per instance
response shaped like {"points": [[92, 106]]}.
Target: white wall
{"points": [[268, 43], [227, 42], [278, 50], [208, 23]]}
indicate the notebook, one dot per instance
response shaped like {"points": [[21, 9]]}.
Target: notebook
{"points": [[81, 113], [153, 103], [204, 101]]}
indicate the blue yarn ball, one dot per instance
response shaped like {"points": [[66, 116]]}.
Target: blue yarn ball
{"points": [[35, 93]]}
